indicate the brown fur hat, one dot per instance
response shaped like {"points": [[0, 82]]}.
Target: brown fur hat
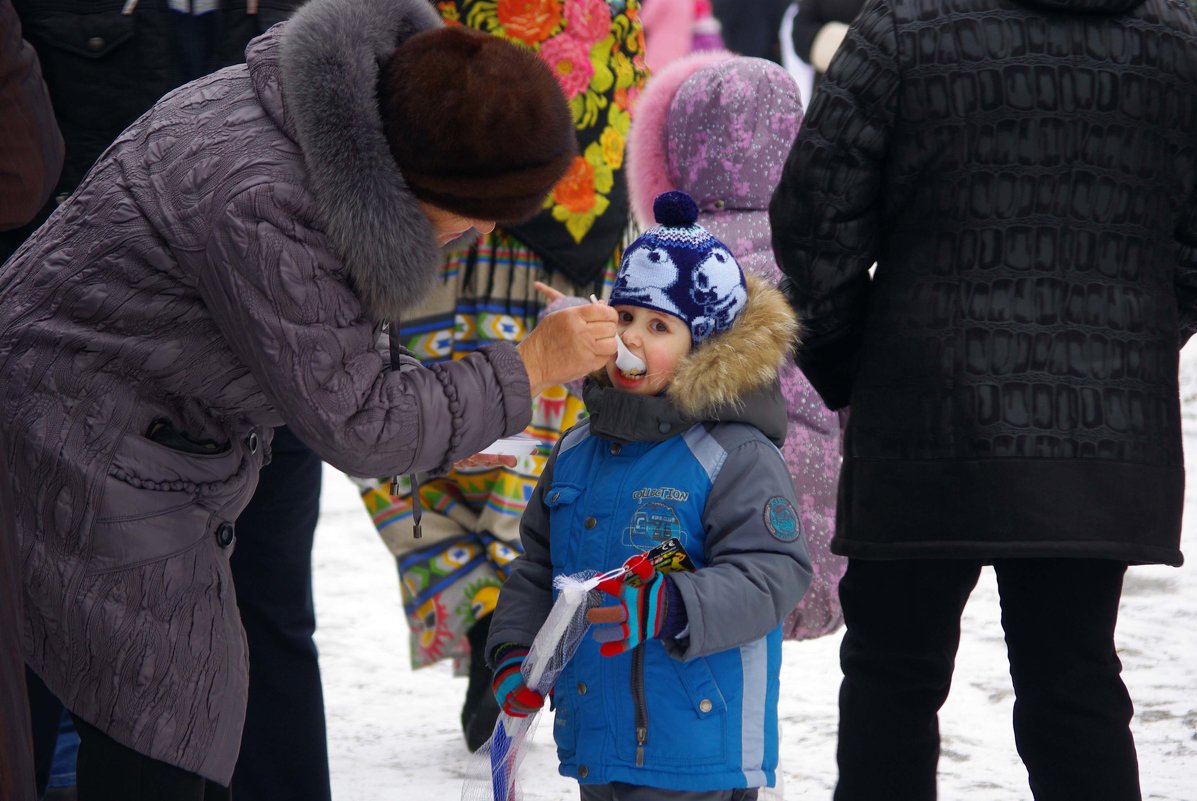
{"points": [[477, 126]]}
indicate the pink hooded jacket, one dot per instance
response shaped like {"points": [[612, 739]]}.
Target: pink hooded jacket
{"points": [[719, 127]]}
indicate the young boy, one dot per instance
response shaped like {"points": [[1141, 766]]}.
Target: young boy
{"points": [[676, 694]]}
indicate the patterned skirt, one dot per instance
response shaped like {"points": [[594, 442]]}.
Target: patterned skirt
{"points": [[451, 576]]}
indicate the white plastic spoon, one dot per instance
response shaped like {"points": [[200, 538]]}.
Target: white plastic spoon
{"points": [[625, 360]]}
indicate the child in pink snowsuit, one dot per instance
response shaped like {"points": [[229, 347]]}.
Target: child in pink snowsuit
{"points": [[719, 127]]}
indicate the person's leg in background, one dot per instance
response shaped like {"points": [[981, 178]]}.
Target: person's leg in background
{"points": [[480, 710], [284, 747], [898, 653], [1072, 711], [45, 715], [109, 771], [16, 747], [62, 783]]}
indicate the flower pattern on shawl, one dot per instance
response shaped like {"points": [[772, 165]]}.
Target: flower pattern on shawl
{"points": [[569, 60], [529, 21], [580, 196], [588, 20], [595, 48]]}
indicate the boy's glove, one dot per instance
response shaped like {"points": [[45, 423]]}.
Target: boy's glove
{"points": [[514, 697], [651, 608]]}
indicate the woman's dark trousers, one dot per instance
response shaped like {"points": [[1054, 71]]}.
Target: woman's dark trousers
{"points": [[1071, 713], [109, 771], [284, 748]]}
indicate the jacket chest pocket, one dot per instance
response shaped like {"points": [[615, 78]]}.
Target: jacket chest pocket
{"points": [[564, 522], [86, 36], [104, 69]]}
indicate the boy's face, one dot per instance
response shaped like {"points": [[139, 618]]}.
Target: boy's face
{"points": [[659, 339]]}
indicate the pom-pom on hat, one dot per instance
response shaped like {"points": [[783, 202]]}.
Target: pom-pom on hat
{"points": [[476, 125], [679, 268]]}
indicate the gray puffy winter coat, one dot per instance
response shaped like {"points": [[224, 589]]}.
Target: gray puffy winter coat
{"points": [[225, 268]]}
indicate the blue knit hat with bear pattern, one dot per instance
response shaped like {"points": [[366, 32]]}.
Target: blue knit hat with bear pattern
{"points": [[679, 268]]}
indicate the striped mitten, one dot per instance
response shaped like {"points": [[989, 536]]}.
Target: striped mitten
{"points": [[514, 697], [641, 612]]}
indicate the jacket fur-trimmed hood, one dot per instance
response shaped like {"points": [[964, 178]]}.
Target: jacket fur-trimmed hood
{"points": [[731, 377], [330, 55], [723, 370]]}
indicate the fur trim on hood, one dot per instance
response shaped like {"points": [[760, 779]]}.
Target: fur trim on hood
{"points": [[331, 53], [720, 372], [647, 162], [713, 380]]}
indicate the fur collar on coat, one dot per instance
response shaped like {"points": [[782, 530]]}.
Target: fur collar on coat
{"points": [[331, 53], [724, 369]]}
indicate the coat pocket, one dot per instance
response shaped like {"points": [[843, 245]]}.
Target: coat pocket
{"points": [[692, 725], [160, 500], [87, 36], [561, 499], [685, 709]]}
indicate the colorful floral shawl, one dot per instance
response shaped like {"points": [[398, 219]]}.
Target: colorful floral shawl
{"points": [[596, 50]]}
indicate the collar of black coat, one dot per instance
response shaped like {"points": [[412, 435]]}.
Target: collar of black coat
{"points": [[732, 378], [1086, 6], [329, 56]]}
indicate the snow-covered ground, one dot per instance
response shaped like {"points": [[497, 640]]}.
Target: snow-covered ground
{"points": [[394, 734]]}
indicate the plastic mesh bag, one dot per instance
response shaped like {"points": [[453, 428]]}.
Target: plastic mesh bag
{"points": [[494, 768], [492, 774]]}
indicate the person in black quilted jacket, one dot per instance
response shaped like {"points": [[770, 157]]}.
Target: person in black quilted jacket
{"points": [[1024, 175]]}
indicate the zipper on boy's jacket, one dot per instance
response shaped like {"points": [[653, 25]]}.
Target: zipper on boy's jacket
{"points": [[640, 704]]}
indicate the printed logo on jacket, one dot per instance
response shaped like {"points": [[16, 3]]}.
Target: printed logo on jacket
{"points": [[656, 519]]}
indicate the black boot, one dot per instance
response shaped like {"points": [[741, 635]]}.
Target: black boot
{"points": [[481, 710]]}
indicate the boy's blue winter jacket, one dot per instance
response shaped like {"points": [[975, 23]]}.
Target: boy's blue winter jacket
{"points": [[698, 712]]}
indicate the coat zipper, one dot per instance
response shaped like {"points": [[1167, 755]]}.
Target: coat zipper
{"points": [[638, 700]]}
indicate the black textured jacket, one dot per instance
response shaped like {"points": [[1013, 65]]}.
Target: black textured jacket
{"points": [[107, 61], [1024, 176]]}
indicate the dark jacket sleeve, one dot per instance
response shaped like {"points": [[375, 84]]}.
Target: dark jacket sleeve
{"points": [[826, 211], [809, 20], [1186, 273], [30, 144], [527, 594], [285, 308], [755, 574]]}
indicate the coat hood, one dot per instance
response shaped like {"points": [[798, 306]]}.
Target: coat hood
{"points": [[718, 128], [317, 75], [648, 175], [1086, 6], [731, 377]]}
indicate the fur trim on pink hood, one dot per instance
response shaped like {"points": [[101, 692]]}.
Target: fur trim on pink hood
{"points": [[647, 161]]}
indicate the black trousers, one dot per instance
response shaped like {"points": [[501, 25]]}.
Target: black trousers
{"points": [[16, 743], [284, 747], [108, 771], [1071, 713]]}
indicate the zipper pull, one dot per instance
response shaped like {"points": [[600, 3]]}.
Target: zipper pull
{"points": [[641, 739]]}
